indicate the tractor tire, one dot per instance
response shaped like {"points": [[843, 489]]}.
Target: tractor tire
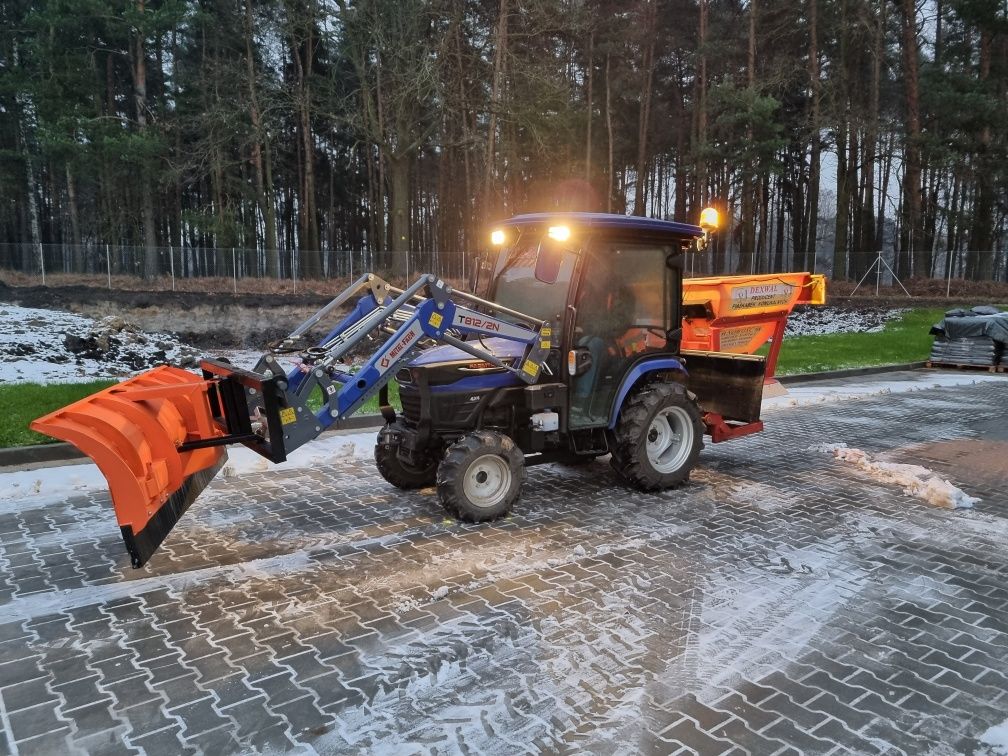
{"points": [[402, 474], [658, 437], [481, 476]]}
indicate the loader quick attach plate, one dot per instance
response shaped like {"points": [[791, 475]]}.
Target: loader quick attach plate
{"points": [[155, 439]]}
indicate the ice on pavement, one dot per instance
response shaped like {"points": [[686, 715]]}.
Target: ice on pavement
{"points": [[56, 483], [995, 740], [845, 389], [915, 480]]}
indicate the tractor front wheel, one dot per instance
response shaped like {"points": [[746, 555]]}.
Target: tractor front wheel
{"points": [[481, 476], [399, 473], [658, 437]]}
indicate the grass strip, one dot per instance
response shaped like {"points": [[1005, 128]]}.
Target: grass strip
{"points": [[20, 403], [905, 339]]}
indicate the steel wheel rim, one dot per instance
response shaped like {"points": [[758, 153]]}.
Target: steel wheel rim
{"points": [[669, 439], [487, 481]]}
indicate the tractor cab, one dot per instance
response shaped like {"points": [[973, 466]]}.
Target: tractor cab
{"points": [[611, 284]]}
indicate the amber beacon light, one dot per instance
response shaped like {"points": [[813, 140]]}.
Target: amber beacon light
{"points": [[710, 220]]}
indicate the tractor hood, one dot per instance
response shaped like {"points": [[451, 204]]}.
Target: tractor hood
{"points": [[503, 349]]}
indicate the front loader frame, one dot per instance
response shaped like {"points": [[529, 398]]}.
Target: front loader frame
{"points": [[266, 409]]}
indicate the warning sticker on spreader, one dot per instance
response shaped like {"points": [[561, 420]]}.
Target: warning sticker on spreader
{"points": [[760, 296], [435, 319], [546, 331], [530, 367], [287, 416], [738, 338]]}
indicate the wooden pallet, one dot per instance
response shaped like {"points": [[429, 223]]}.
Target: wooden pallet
{"points": [[959, 366]]}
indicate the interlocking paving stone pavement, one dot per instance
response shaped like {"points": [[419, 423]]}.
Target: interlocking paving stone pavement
{"points": [[782, 602]]}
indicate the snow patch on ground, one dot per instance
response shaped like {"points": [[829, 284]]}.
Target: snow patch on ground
{"points": [[849, 389], [51, 484], [47, 485], [995, 740], [915, 480], [827, 448], [48, 346], [818, 321]]}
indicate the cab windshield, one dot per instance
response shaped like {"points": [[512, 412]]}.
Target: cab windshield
{"points": [[533, 276]]}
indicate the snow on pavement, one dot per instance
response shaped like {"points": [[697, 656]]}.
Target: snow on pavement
{"points": [[995, 740], [52, 484], [835, 390], [916, 481]]}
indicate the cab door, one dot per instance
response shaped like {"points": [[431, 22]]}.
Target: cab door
{"points": [[626, 304]]}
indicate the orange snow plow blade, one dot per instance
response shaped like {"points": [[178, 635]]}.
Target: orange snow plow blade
{"points": [[136, 433]]}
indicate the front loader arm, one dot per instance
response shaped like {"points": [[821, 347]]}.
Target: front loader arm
{"points": [[160, 438], [437, 317]]}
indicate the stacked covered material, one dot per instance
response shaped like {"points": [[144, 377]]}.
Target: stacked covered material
{"points": [[971, 337]]}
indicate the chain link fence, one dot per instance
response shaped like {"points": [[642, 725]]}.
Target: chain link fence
{"points": [[210, 269], [238, 270]]}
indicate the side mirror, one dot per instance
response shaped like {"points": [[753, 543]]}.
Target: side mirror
{"points": [[548, 262], [579, 361], [475, 272]]}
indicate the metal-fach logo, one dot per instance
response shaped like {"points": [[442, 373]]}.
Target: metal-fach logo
{"points": [[397, 349]]}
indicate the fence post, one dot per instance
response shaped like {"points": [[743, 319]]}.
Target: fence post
{"points": [[951, 265], [234, 268], [108, 264], [294, 267], [171, 265], [41, 255]]}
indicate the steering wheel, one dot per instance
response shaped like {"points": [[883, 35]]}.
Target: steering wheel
{"points": [[656, 330]]}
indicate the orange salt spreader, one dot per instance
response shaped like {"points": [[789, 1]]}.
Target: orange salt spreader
{"points": [[739, 314]]}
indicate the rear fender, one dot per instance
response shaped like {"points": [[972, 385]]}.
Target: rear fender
{"points": [[638, 372]]}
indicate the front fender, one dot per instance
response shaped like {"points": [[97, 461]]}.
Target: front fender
{"points": [[638, 371]]}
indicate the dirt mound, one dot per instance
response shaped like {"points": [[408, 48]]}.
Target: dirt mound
{"points": [[47, 346]]}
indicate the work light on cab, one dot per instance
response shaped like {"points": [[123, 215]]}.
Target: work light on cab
{"points": [[498, 237], [559, 233]]}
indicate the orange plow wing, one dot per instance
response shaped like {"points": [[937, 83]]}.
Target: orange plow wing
{"points": [[133, 431]]}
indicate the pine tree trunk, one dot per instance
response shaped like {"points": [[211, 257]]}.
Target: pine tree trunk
{"points": [[644, 118], [810, 244], [264, 198], [399, 212], [911, 241], [982, 235], [150, 258], [490, 204], [609, 135]]}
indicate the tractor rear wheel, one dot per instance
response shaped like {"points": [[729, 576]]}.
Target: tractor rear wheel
{"points": [[481, 476], [658, 437], [399, 473]]}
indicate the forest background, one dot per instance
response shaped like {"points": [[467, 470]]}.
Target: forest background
{"points": [[275, 135]]}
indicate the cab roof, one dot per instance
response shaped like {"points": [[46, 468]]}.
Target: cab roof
{"points": [[609, 221]]}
